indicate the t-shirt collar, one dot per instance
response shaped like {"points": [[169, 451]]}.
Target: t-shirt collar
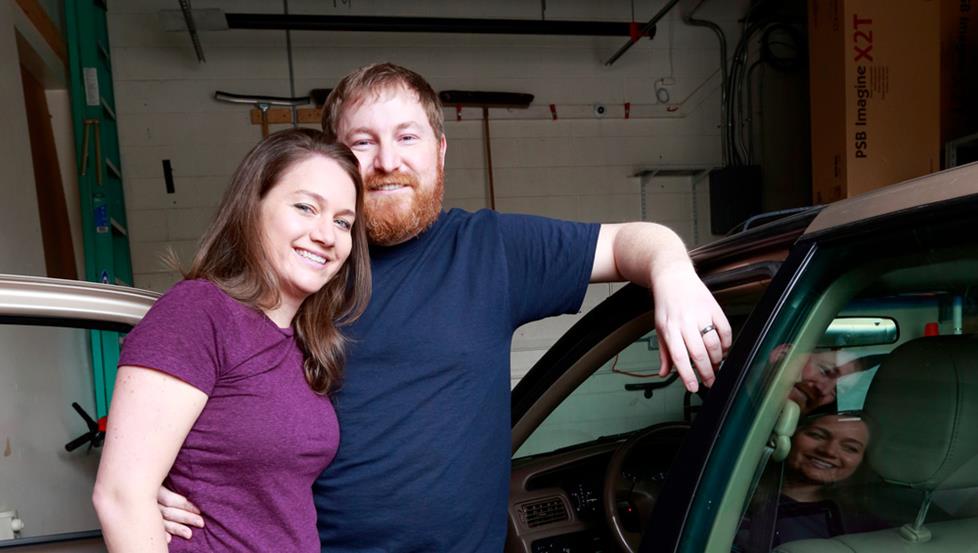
{"points": [[404, 248]]}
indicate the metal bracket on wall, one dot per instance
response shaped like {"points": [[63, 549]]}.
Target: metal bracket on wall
{"points": [[694, 174]]}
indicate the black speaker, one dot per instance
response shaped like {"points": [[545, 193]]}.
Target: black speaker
{"points": [[735, 196]]}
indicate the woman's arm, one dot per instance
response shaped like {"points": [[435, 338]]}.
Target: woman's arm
{"points": [[151, 414]]}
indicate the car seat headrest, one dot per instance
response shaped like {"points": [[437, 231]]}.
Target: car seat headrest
{"points": [[923, 409]]}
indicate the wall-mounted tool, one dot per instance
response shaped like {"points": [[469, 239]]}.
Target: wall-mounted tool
{"points": [[265, 114], [96, 431], [485, 100], [263, 103]]}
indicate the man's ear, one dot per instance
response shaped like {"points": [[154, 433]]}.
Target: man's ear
{"points": [[441, 149]]}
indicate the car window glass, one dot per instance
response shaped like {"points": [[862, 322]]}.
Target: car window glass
{"points": [[884, 451], [50, 368], [625, 394]]}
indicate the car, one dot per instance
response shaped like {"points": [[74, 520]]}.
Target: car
{"points": [[49, 329], [609, 457], [865, 310]]}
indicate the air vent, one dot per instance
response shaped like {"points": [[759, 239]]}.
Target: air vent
{"points": [[542, 512]]}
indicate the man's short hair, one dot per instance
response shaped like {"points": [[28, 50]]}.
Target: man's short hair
{"points": [[374, 79]]}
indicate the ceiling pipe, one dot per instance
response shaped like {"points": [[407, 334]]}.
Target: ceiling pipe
{"points": [[188, 16], [295, 22], [648, 29]]}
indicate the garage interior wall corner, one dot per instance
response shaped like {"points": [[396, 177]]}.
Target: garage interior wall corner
{"points": [[21, 249]]}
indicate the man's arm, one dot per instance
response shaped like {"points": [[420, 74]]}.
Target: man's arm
{"points": [[653, 256]]}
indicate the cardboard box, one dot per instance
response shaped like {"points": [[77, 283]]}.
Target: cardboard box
{"points": [[875, 93], [959, 68]]}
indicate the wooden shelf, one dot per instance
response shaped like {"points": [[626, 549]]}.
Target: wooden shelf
{"points": [[283, 116]]}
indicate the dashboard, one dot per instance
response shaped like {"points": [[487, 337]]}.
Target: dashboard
{"points": [[556, 502]]}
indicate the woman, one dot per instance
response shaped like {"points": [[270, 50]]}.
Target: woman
{"points": [[816, 499], [221, 392], [825, 451]]}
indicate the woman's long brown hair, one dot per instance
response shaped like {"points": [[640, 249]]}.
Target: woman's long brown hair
{"points": [[232, 255]]}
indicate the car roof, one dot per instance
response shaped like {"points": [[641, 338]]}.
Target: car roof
{"points": [[53, 298], [775, 238], [947, 185]]}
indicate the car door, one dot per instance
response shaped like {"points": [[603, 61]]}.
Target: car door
{"points": [[911, 481], [592, 410], [47, 458]]}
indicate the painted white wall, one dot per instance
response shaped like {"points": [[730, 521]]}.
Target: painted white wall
{"points": [[21, 250]]}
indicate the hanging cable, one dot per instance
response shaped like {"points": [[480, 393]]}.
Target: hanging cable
{"points": [[288, 49], [782, 47], [738, 69], [747, 133], [724, 79]]}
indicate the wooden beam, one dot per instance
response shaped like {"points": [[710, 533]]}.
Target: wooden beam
{"points": [[39, 18], [283, 116]]}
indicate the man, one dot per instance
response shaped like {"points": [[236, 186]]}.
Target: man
{"points": [[820, 375], [423, 463]]}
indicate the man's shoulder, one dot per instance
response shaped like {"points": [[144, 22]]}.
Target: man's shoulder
{"points": [[459, 215], [490, 217], [458, 221]]}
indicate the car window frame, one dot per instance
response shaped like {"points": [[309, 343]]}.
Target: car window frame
{"points": [[79, 305], [625, 308], [685, 516]]}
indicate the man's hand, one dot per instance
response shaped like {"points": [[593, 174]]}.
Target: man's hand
{"points": [[178, 514], [693, 331]]}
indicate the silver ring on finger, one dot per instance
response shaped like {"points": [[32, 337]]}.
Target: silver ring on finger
{"points": [[707, 329]]}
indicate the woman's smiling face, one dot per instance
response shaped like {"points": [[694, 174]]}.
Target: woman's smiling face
{"points": [[306, 220], [829, 449]]}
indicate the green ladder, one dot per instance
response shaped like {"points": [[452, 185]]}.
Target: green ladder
{"points": [[103, 209]]}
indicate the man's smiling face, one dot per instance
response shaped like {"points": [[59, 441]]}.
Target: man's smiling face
{"points": [[402, 161], [818, 379]]}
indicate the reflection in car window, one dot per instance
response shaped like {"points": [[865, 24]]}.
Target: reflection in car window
{"points": [[37, 475], [886, 451], [625, 394]]}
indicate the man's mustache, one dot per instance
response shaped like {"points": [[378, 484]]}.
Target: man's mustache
{"points": [[376, 181]]}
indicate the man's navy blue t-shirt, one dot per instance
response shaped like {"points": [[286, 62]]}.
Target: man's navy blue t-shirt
{"points": [[424, 456]]}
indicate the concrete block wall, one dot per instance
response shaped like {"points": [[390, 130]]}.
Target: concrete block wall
{"points": [[577, 167]]}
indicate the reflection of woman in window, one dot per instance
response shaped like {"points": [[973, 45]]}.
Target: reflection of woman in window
{"points": [[825, 452]]}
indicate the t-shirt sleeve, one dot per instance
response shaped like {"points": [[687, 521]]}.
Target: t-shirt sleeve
{"points": [[549, 264], [178, 336]]}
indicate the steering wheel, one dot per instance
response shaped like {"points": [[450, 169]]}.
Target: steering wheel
{"points": [[634, 480]]}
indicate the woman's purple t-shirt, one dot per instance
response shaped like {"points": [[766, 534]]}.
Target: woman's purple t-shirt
{"points": [[262, 438]]}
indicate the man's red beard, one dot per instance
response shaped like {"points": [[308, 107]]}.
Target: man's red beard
{"points": [[390, 219]]}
